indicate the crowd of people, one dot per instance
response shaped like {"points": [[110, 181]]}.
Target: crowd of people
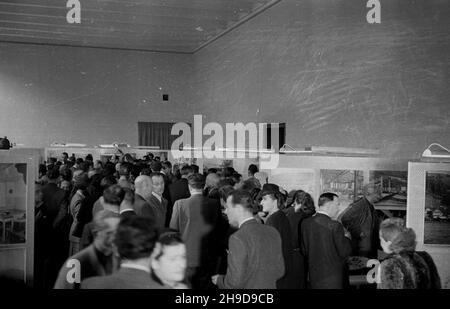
{"points": [[148, 224]]}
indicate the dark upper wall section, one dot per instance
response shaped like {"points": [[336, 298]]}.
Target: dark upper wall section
{"points": [[85, 95], [335, 79]]}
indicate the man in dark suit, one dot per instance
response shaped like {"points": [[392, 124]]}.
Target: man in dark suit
{"points": [[180, 189], [255, 258], [55, 245], [95, 260], [157, 201], [143, 192], [196, 219], [325, 245], [135, 240]]}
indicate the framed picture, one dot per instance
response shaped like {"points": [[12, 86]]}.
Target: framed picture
{"points": [[427, 212], [437, 208], [393, 187], [348, 184]]}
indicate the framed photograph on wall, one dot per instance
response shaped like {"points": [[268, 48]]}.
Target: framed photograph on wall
{"points": [[393, 187], [437, 208], [427, 212], [348, 184]]}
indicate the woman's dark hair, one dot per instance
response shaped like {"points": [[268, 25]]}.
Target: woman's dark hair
{"points": [[252, 168], [303, 198], [66, 173], [136, 237]]}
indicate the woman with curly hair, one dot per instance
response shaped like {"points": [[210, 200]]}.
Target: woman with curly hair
{"points": [[404, 268]]}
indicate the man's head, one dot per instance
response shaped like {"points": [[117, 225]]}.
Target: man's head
{"points": [[196, 182], [169, 258], [53, 174], [166, 167], [195, 168], [105, 225], [143, 186], [239, 207], [124, 170], [252, 170], [158, 183], [185, 171], [329, 203], [64, 156], [212, 180], [113, 196], [135, 238], [372, 192], [80, 180], [156, 166], [224, 192]]}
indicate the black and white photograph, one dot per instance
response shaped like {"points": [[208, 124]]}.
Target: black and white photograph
{"points": [[437, 208], [224, 145]]}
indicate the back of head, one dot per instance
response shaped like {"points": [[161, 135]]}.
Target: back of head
{"points": [[195, 168], [124, 169], [326, 198], [306, 201], [225, 191], [114, 195], [53, 173], [186, 170], [136, 237], [212, 180], [107, 182], [80, 179], [166, 164], [196, 181], [168, 238], [156, 166], [401, 237], [252, 169], [243, 199], [142, 182]]}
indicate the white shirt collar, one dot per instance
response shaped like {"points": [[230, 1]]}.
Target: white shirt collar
{"points": [[248, 219], [323, 213], [196, 193], [135, 266], [157, 196]]}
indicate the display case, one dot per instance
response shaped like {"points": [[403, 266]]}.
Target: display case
{"points": [[17, 202]]}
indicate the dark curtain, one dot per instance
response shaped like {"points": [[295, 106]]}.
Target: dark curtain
{"points": [[156, 134]]}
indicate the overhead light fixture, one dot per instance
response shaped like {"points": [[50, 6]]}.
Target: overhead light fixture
{"points": [[441, 153], [199, 28]]}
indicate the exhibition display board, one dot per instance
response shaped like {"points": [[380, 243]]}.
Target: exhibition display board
{"points": [[17, 208]]}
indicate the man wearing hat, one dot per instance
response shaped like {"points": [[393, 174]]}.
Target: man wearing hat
{"points": [[272, 200]]}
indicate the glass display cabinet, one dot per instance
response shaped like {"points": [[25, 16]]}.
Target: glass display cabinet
{"points": [[17, 203]]}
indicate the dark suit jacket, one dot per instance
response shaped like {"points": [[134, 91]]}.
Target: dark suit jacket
{"points": [[125, 278], [142, 207], [159, 210], [255, 258], [54, 198], [196, 219], [179, 190], [280, 222], [326, 249], [92, 263]]}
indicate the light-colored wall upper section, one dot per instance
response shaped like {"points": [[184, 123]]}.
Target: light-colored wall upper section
{"points": [[332, 77], [86, 95]]}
